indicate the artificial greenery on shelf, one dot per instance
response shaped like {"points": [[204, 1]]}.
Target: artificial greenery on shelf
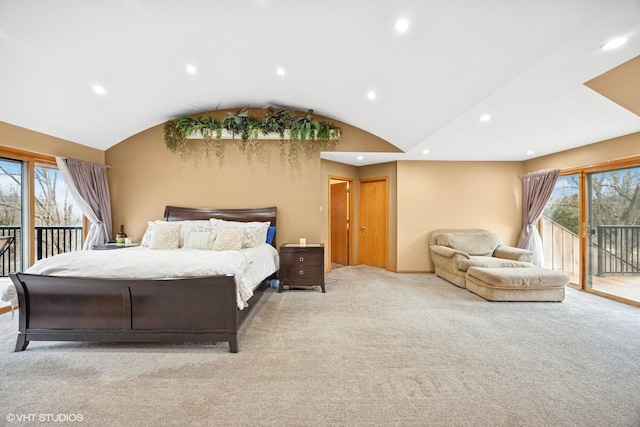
{"points": [[295, 131]]}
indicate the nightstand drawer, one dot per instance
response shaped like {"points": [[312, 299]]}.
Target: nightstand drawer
{"points": [[302, 273], [302, 258]]}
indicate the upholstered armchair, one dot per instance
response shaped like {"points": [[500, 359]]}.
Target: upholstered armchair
{"points": [[453, 251]]}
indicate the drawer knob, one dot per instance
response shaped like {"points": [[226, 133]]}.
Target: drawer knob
{"points": [[301, 259], [301, 271]]}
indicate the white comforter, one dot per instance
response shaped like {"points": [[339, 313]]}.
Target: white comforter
{"points": [[250, 266]]}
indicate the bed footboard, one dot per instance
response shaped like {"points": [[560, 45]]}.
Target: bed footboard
{"points": [[201, 309]]}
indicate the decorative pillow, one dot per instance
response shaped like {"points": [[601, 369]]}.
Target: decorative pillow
{"points": [[193, 225], [271, 233], [255, 233], [187, 226], [199, 240], [165, 236], [229, 239]]}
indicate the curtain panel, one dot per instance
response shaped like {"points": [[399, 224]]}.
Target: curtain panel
{"points": [[536, 191], [87, 183]]}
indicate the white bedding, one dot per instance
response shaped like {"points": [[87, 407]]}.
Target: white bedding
{"points": [[250, 266]]}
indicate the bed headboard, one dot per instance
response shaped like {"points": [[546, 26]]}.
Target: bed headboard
{"points": [[175, 213]]}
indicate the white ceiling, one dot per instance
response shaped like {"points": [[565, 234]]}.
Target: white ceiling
{"points": [[522, 61]]}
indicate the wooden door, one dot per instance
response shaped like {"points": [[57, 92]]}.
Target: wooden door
{"points": [[373, 222], [339, 223]]}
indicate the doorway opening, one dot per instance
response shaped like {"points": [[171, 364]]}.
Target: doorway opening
{"points": [[340, 214]]}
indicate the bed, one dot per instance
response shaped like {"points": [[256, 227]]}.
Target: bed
{"points": [[205, 307]]}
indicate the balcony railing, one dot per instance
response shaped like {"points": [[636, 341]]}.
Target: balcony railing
{"points": [[615, 250], [50, 240]]}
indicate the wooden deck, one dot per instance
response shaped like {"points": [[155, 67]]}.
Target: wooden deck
{"points": [[625, 287], [622, 286]]}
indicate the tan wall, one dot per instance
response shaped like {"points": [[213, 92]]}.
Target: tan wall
{"points": [[145, 177], [36, 142], [434, 195], [611, 149]]}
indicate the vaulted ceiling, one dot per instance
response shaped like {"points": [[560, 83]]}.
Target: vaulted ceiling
{"points": [[524, 63]]}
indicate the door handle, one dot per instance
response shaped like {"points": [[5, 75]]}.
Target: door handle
{"points": [[362, 228]]}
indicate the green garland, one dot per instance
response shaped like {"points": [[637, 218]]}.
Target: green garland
{"points": [[247, 128]]}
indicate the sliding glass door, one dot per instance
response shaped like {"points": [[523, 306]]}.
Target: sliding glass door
{"points": [[591, 229], [613, 241]]}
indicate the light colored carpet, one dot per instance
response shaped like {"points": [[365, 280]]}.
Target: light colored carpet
{"points": [[377, 349]]}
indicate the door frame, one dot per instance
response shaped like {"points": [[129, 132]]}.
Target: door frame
{"points": [[350, 258]]}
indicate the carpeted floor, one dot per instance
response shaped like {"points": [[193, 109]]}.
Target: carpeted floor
{"points": [[377, 349]]}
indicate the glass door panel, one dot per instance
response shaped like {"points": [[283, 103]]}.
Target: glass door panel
{"points": [[11, 178], [58, 219], [560, 228], [613, 240]]}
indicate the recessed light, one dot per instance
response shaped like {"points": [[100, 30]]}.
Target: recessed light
{"points": [[100, 90], [614, 43], [530, 152], [485, 117], [371, 95], [191, 69], [360, 157], [402, 25], [280, 71], [425, 151]]}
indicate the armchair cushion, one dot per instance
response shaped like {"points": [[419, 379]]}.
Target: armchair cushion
{"points": [[516, 254], [491, 262], [478, 244]]}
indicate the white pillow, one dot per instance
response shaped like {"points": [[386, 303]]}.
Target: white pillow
{"points": [[187, 226], [165, 236], [192, 225], [229, 239], [146, 237], [255, 232], [199, 240]]}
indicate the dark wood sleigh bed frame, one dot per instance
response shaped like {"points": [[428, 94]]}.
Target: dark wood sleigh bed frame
{"points": [[196, 309]]}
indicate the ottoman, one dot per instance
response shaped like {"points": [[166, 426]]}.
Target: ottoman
{"points": [[517, 284]]}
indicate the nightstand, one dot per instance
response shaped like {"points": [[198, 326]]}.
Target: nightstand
{"points": [[301, 265]]}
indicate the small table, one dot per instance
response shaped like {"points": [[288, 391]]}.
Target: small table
{"points": [[108, 246], [301, 265]]}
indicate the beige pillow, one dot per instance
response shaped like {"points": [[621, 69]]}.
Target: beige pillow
{"points": [[478, 244], [229, 239], [165, 236], [255, 232], [199, 240]]}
